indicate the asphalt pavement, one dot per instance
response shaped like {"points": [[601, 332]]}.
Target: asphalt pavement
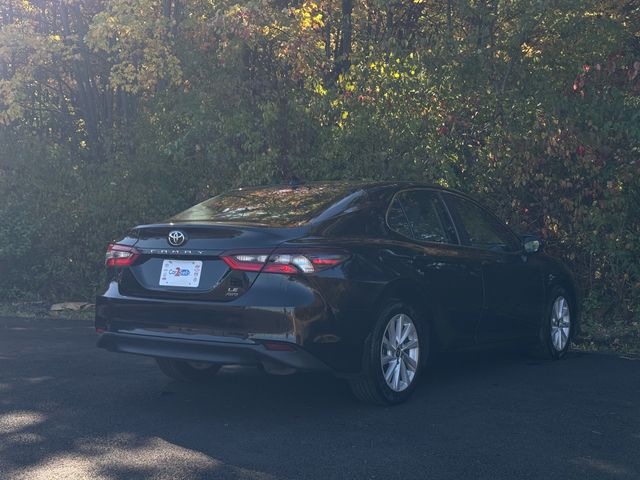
{"points": [[71, 411]]}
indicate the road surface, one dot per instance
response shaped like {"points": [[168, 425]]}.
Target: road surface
{"points": [[69, 410]]}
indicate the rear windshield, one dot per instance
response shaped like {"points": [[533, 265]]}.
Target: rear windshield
{"points": [[283, 206]]}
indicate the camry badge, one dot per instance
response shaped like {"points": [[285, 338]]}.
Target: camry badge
{"points": [[176, 238]]}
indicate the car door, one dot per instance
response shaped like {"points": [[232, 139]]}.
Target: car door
{"points": [[513, 285], [451, 279]]}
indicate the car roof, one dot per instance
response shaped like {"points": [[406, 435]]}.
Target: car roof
{"points": [[375, 190], [366, 185], [268, 204]]}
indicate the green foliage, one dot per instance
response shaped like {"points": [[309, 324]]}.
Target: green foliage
{"points": [[115, 112]]}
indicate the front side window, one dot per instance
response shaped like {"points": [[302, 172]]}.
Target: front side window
{"points": [[420, 215], [481, 229]]}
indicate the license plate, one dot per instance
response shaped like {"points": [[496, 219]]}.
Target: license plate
{"points": [[180, 273]]}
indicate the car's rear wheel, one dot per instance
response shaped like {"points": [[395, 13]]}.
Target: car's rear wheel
{"points": [[556, 331], [394, 356], [187, 371]]}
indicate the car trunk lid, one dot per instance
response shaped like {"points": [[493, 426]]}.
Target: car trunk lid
{"points": [[189, 265]]}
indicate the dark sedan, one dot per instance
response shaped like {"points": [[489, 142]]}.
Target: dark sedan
{"points": [[364, 280]]}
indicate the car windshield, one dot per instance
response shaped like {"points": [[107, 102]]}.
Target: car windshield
{"points": [[281, 206]]}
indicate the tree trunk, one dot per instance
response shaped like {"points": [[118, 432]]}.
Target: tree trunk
{"points": [[342, 60]]}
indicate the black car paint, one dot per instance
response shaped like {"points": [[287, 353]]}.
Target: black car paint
{"points": [[471, 296]]}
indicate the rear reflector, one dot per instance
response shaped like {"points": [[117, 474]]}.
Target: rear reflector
{"points": [[288, 262], [120, 255]]}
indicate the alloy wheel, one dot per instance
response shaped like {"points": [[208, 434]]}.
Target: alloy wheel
{"points": [[560, 323], [400, 352]]}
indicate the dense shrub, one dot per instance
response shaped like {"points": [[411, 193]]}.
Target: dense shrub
{"points": [[118, 112]]}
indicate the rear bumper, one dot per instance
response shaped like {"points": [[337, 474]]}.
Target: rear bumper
{"points": [[220, 352], [236, 332]]}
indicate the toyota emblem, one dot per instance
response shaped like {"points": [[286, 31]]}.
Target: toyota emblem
{"points": [[176, 238]]}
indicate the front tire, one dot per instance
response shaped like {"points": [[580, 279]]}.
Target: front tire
{"points": [[558, 324], [183, 371], [395, 353]]}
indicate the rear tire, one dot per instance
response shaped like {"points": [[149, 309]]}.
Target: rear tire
{"points": [[394, 356], [183, 371]]}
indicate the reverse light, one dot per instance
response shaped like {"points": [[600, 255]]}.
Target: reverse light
{"points": [[285, 261], [120, 255], [246, 262]]}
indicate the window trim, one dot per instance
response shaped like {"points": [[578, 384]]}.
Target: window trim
{"points": [[439, 198], [404, 214], [451, 219]]}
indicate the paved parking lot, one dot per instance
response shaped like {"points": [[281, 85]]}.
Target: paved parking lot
{"points": [[69, 410]]}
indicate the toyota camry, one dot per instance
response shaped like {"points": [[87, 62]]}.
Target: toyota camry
{"points": [[364, 280]]}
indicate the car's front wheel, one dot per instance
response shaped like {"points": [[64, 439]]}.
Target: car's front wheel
{"points": [[556, 331], [187, 371], [394, 355]]}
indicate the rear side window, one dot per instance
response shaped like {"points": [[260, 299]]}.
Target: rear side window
{"points": [[420, 215]]}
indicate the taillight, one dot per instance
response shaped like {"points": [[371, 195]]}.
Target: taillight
{"points": [[120, 255], [285, 261], [246, 262]]}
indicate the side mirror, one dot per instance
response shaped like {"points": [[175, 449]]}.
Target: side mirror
{"points": [[532, 244]]}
